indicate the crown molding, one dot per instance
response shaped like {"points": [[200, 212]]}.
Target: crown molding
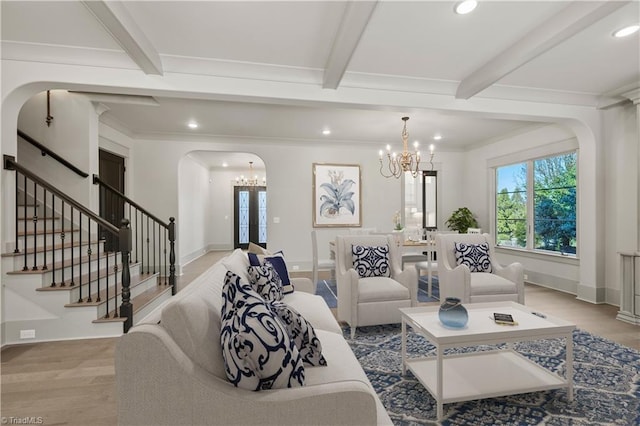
{"points": [[180, 65], [67, 55]]}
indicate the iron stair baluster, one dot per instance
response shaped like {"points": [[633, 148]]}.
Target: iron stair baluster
{"points": [[24, 236], [44, 238], [62, 238]]}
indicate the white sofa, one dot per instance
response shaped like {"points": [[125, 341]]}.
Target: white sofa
{"points": [[171, 371]]}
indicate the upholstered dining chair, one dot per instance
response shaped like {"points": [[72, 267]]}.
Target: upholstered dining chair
{"points": [[423, 265], [362, 231], [320, 264], [371, 283], [468, 270]]}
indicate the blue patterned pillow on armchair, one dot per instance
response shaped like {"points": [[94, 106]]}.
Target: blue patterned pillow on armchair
{"points": [[475, 256], [371, 261]]}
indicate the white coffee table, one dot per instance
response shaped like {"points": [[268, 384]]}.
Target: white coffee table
{"points": [[485, 374]]}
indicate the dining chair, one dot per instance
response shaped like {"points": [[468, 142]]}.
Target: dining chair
{"points": [[362, 231], [320, 264]]}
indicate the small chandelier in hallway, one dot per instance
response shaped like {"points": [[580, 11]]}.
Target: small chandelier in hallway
{"points": [[397, 164], [251, 180]]}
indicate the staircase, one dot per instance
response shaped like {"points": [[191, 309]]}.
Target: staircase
{"points": [[62, 281]]}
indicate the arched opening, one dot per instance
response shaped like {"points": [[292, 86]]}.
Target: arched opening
{"points": [[207, 202]]}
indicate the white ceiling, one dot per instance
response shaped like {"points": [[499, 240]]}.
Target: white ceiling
{"points": [[556, 51]]}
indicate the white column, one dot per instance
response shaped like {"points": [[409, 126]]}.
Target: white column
{"points": [[630, 262], [634, 96]]}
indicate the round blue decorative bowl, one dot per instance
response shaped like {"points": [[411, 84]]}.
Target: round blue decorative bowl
{"points": [[452, 314]]}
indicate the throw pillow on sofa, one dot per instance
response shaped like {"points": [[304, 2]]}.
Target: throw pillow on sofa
{"points": [[475, 256], [256, 347], [371, 261], [301, 332], [266, 281], [278, 263]]}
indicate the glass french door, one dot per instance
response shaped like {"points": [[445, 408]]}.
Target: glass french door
{"points": [[250, 216]]}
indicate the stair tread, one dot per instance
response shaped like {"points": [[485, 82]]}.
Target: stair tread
{"points": [[138, 302], [58, 265], [85, 278], [42, 231], [48, 248], [30, 218], [135, 280]]}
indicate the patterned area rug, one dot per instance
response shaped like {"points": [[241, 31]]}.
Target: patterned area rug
{"points": [[327, 289], [606, 383]]}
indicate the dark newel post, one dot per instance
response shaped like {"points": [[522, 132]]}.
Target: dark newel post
{"points": [[172, 255], [126, 309]]}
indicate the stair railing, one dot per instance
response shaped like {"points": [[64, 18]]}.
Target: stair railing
{"points": [[74, 241], [153, 240], [46, 151]]}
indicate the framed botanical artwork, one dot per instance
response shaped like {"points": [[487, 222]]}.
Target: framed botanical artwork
{"points": [[336, 195]]}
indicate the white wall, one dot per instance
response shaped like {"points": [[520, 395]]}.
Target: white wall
{"points": [[73, 135], [289, 196], [220, 225], [194, 197]]}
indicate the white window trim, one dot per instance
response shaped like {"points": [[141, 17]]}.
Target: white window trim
{"points": [[565, 146]]}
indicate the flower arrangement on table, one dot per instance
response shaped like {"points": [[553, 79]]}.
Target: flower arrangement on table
{"points": [[397, 221]]}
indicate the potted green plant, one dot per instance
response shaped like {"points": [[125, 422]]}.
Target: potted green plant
{"points": [[461, 220]]}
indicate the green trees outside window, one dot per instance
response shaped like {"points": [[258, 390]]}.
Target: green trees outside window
{"points": [[544, 198]]}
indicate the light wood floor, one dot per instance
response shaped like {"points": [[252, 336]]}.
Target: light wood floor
{"points": [[73, 382]]}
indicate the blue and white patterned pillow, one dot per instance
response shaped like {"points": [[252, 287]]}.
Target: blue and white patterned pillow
{"points": [[475, 256], [371, 261], [301, 332], [256, 347], [278, 263], [266, 281]]}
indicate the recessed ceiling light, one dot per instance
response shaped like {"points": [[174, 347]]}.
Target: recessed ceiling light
{"points": [[437, 137], [192, 125], [326, 132], [465, 7], [626, 31], [225, 164]]}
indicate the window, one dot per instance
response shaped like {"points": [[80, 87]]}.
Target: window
{"points": [[420, 201], [536, 204]]}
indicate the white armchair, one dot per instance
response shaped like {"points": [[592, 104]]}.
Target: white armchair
{"points": [[372, 300], [503, 283]]}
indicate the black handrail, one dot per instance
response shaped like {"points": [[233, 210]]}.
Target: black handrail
{"points": [[11, 164], [46, 151], [98, 181]]}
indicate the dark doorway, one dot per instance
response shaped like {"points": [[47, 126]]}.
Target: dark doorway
{"points": [[249, 216], [111, 170]]}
